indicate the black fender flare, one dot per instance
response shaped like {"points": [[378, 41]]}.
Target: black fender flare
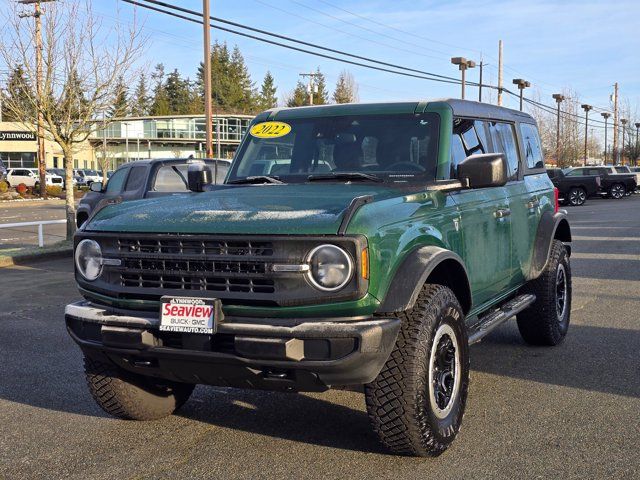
{"points": [[427, 263], [551, 226]]}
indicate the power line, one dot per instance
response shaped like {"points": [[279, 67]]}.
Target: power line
{"points": [[423, 74], [399, 69], [329, 27]]}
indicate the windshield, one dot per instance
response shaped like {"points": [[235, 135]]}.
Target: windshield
{"points": [[621, 169], [396, 148]]}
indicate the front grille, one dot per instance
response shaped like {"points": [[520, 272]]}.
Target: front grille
{"points": [[196, 264], [196, 247]]}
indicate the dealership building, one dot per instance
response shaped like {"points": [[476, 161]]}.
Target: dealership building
{"points": [[128, 139]]}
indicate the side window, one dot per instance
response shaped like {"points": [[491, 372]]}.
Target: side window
{"points": [[504, 141], [171, 178], [532, 147], [457, 153], [469, 138], [115, 183], [574, 173], [136, 178]]}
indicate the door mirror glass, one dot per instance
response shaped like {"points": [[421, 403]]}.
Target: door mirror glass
{"points": [[96, 187], [483, 170], [199, 176]]}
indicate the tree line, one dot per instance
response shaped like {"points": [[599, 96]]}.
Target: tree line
{"points": [[232, 89]]}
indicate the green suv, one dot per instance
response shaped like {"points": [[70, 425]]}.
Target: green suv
{"points": [[364, 244]]}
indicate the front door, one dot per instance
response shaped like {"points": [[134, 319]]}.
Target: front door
{"points": [[485, 222]]}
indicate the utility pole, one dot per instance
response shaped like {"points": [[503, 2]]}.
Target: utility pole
{"points": [[499, 72], [522, 84], [606, 116], [207, 77], [586, 109], [623, 121], [559, 98], [312, 87], [463, 64], [42, 161], [482, 64], [615, 123], [635, 157]]}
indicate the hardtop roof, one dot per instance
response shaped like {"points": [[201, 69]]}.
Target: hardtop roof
{"points": [[460, 108]]}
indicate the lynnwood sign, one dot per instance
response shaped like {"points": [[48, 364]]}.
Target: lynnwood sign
{"points": [[17, 136]]}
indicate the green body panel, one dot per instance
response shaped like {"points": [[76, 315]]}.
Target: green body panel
{"points": [[497, 252], [303, 209]]}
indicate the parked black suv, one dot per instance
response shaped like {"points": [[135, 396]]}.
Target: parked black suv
{"points": [[574, 190], [612, 184]]}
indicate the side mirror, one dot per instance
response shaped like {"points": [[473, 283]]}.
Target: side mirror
{"points": [[96, 187], [199, 176], [483, 170]]}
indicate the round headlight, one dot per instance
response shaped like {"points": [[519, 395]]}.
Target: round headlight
{"points": [[330, 267], [89, 259]]}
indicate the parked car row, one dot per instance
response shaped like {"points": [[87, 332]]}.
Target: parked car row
{"points": [[30, 177], [575, 185]]}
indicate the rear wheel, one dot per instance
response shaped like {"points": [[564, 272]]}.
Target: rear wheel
{"points": [[417, 401], [546, 322], [133, 397], [577, 196], [617, 191]]}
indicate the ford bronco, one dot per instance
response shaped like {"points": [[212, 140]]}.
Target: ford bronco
{"points": [[351, 245]]}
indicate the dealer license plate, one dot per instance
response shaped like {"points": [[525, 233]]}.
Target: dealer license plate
{"points": [[189, 315]]}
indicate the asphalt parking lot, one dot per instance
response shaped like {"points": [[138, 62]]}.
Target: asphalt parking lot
{"points": [[567, 412]]}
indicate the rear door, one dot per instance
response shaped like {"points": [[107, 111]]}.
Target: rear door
{"points": [[485, 222], [530, 194]]}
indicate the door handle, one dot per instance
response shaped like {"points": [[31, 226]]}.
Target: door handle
{"points": [[502, 212], [535, 203]]}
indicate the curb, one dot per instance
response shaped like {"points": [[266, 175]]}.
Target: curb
{"points": [[30, 258]]}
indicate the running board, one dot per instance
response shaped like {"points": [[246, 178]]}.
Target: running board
{"points": [[497, 317]]}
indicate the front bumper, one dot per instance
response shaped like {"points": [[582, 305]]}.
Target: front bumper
{"points": [[265, 353]]}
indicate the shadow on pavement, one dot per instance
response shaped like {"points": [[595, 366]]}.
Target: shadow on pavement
{"points": [[591, 358]]}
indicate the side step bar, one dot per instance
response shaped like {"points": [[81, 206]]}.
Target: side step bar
{"points": [[498, 316]]}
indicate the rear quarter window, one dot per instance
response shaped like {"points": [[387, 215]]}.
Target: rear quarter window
{"points": [[532, 146]]}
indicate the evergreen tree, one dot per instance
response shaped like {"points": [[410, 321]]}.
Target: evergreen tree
{"points": [[73, 98], [267, 98], [346, 89], [232, 89], [141, 103], [178, 93], [16, 94], [299, 96], [120, 106], [160, 103]]}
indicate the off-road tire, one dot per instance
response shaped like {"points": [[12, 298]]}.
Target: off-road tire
{"points": [[399, 399], [541, 323], [133, 397], [577, 196]]}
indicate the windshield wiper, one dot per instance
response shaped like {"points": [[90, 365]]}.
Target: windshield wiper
{"points": [[344, 176], [256, 179]]}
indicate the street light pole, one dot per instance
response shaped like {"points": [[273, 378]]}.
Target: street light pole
{"points": [[522, 84], [606, 116], [623, 121], [586, 109], [481, 65], [559, 98], [463, 65], [126, 140]]}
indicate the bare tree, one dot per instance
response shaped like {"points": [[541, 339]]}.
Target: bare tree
{"points": [[82, 64]]}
